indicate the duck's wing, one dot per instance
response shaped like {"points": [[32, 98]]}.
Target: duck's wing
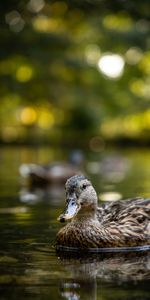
{"points": [[126, 222], [135, 210]]}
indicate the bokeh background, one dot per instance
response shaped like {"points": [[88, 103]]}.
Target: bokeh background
{"points": [[74, 83], [75, 72]]}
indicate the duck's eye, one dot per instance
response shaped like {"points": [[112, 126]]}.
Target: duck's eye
{"points": [[84, 186]]}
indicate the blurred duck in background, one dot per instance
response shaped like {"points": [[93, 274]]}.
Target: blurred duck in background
{"points": [[55, 172], [46, 182]]}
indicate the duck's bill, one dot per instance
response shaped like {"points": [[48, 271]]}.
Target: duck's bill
{"points": [[71, 210]]}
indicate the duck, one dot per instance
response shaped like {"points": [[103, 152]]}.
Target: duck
{"points": [[112, 225], [53, 173]]}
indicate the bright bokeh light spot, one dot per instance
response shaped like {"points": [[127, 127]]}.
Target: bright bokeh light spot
{"points": [[110, 196], [24, 73], [133, 56], [35, 5], [111, 65], [15, 21], [41, 23], [92, 54], [28, 116], [44, 24], [46, 119], [140, 88], [137, 87], [131, 126]]}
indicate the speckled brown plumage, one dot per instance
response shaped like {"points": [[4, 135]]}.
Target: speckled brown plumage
{"points": [[117, 224]]}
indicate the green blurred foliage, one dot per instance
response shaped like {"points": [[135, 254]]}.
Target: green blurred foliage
{"points": [[52, 78]]}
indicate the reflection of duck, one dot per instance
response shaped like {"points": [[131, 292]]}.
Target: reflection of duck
{"points": [[117, 224], [90, 275], [57, 172], [108, 266]]}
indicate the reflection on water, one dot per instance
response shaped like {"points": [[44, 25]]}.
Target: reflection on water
{"points": [[30, 267], [33, 194], [107, 270]]}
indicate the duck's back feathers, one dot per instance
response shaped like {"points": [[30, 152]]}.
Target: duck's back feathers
{"points": [[130, 217], [137, 209]]}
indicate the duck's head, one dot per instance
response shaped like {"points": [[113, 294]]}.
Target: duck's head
{"points": [[81, 198]]}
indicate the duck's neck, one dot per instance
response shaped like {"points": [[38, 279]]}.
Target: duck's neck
{"points": [[86, 214]]}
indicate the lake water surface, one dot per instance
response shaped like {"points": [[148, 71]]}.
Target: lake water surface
{"points": [[30, 267]]}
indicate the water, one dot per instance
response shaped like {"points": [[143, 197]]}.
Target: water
{"points": [[29, 265]]}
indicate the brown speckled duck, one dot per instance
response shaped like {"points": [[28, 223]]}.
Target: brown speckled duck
{"points": [[116, 224]]}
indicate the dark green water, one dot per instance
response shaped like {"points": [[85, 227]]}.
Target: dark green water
{"points": [[29, 265]]}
